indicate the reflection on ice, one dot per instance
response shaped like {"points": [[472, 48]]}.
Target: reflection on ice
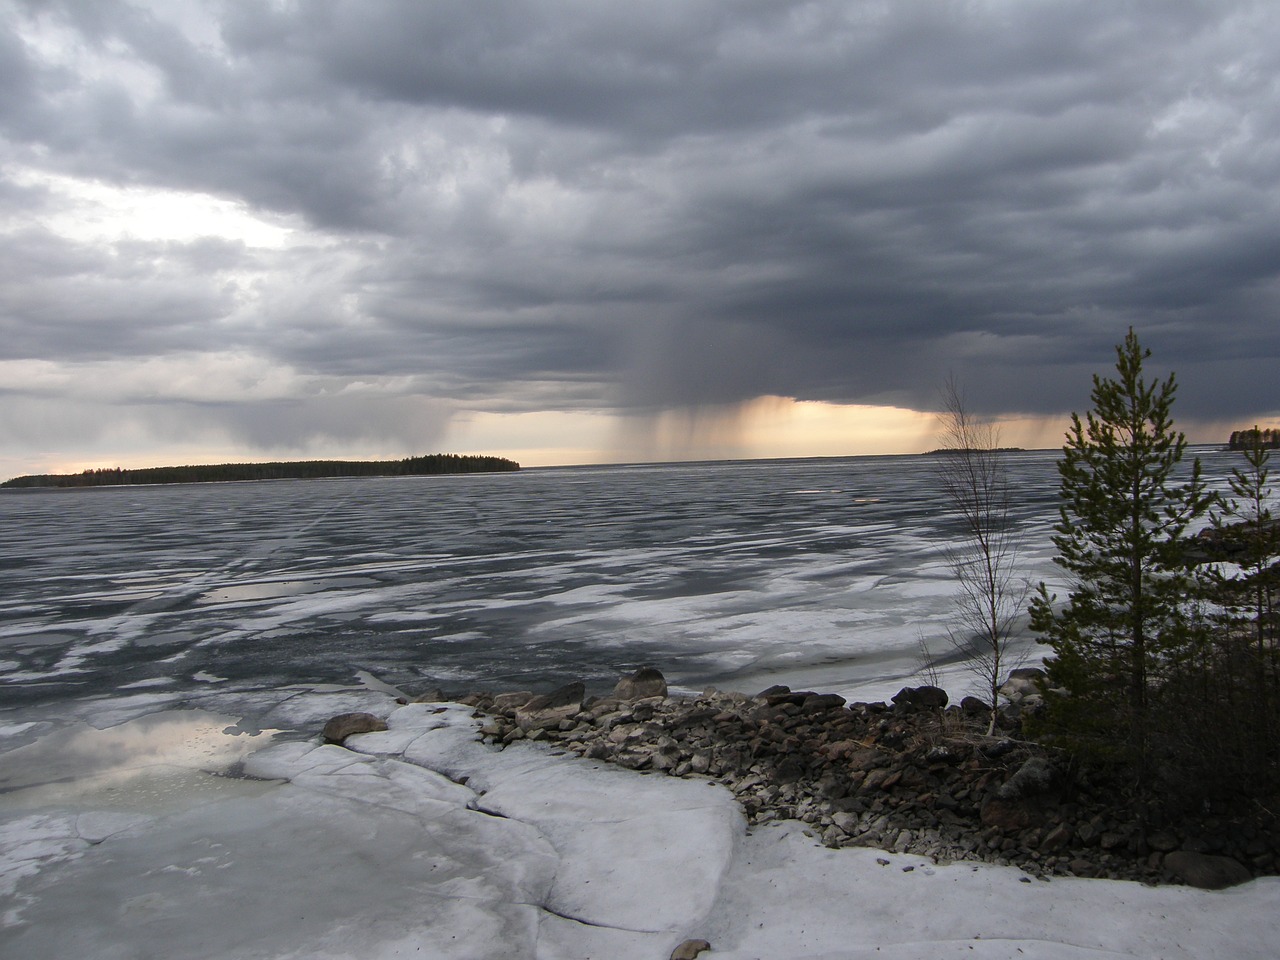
{"points": [[80, 763]]}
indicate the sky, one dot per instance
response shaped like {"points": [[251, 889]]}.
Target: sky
{"points": [[581, 231]]}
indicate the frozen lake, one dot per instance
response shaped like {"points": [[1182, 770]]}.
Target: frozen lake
{"points": [[717, 573], [154, 640]]}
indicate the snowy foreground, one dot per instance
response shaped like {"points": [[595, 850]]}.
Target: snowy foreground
{"points": [[422, 842]]}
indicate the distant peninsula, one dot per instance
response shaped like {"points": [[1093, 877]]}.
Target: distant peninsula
{"points": [[430, 465], [941, 450]]}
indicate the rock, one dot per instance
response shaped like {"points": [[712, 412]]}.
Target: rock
{"points": [[1034, 776], [788, 770], [548, 710], [1162, 841], [346, 724], [645, 682], [921, 698], [998, 749], [1021, 683], [510, 701], [907, 777], [822, 702], [941, 754], [1206, 871], [689, 950], [435, 695], [775, 690], [570, 694], [1057, 838], [1111, 840], [847, 822], [1082, 868], [1009, 816]]}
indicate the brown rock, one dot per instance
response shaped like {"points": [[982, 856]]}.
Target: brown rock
{"points": [[346, 724], [689, 950], [1010, 816], [509, 701], [1057, 838], [645, 682], [1206, 871], [822, 702], [549, 709]]}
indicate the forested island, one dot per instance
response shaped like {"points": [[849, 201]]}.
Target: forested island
{"points": [[1267, 438], [960, 450], [430, 465]]}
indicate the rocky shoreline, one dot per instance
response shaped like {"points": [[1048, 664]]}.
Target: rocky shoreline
{"points": [[916, 776]]}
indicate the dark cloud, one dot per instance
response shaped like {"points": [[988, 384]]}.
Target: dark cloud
{"points": [[528, 205]]}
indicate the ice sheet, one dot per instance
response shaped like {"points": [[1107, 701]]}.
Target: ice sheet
{"points": [[369, 853], [788, 897]]}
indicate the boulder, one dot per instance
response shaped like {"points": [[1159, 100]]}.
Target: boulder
{"points": [[1057, 838], [1206, 871], [1022, 683], [920, 698], [1034, 776], [689, 950], [822, 702], [1162, 841], [345, 724], [571, 694], [550, 708], [773, 691], [510, 701], [1008, 816], [645, 682]]}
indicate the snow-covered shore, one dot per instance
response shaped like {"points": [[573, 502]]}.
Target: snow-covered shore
{"points": [[422, 842]]}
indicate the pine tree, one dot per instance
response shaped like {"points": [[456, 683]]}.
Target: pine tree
{"points": [[1249, 534], [1120, 539]]}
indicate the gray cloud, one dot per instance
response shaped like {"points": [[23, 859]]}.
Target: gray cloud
{"points": [[529, 205]]}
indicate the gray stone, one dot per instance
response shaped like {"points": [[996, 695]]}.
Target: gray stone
{"points": [[1021, 683], [1206, 871], [347, 724]]}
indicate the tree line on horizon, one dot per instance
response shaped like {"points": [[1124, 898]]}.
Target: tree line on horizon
{"points": [[1267, 437], [429, 465]]}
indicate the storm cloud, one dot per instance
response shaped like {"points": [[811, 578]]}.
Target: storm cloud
{"points": [[352, 219]]}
